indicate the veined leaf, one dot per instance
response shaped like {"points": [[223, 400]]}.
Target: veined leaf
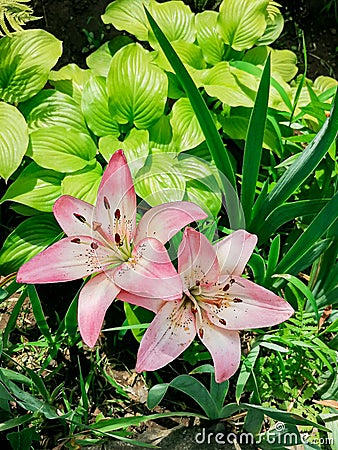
{"points": [[13, 139], [273, 29], [242, 22], [26, 59], [70, 80], [27, 240], [50, 107], [190, 55], [96, 110], [137, 88], [35, 187], [83, 184], [60, 150], [208, 38], [187, 132]]}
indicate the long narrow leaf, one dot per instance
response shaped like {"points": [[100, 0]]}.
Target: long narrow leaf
{"points": [[213, 139], [254, 142], [38, 313]]}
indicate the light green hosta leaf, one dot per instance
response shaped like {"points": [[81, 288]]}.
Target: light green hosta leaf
{"points": [[13, 139], [235, 125], [175, 20], [96, 110], [137, 88], [202, 186], [35, 187], [135, 147], [49, 108], [83, 184], [31, 237], [160, 180], [128, 15], [190, 54], [242, 22], [187, 132], [323, 83], [26, 59], [273, 30], [99, 61], [208, 38], [61, 150], [161, 135], [230, 85], [283, 62], [70, 80]]}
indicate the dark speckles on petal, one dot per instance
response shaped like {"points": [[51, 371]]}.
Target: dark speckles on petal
{"points": [[237, 300], [226, 287], [222, 321]]}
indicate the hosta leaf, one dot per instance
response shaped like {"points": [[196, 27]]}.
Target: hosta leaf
{"points": [[31, 237], [175, 20], [51, 107], [190, 54], [137, 88], [60, 150], [160, 180], [322, 83], [13, 139], [128, 15], [187, 132], [26, 59], [135, 147], [208, 38], [35, 187], [96, 110], [99, 61], [70, 80], [161, 134], [242, 22], [273, 30], [83, 184]]}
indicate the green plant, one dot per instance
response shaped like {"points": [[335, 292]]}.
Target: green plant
{"points": [[14, 13]]}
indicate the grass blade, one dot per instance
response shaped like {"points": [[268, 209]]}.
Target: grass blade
{"points": [[254, 142], [39, 314]]}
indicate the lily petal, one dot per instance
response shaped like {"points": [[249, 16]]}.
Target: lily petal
{"points": [[234, 251], [116, 201], [164, 221], [168, 335], [69, 259], [149, 273], [94, 300], [251, 306], [153, 304], [197, 260], [224, 347], [74, 215]]}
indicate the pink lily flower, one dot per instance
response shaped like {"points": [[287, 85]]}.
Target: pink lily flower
{"points": [[217, 302], [104, 241]]}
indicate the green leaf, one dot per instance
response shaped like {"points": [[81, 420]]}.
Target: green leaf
{"points": [[64, 151], [14, 423], [35, 187], [13, 139], [246, 369], [39, 314], [27, 240], [156, 394], [26, 59], [273, 29], [49, 108], [160, 180], [190, 55], [213, 139], [253, 143], [70, 80], [129, 16], [83, 184], [242, 22], [137, 88], [208, 38], [22, 440], [186, 130], [135, 147], [96, 110]]}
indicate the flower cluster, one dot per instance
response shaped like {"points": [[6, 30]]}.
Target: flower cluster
{"points": [[206, 296]]}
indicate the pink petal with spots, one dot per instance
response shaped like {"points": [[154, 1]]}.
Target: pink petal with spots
{"points": [[116, 201], [69, 259], [151, 273], [153, 304], [197, 261], [251, 306], [94, 300], [168, 335], [234, 251], [224, 347], [164, 221], [74, 215]]}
